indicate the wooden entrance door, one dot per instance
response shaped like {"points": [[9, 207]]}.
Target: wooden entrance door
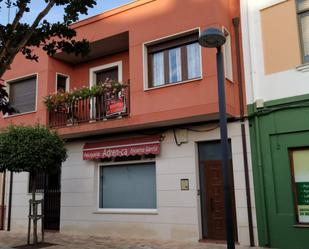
{"points": [[214, 200], [213, 212]]}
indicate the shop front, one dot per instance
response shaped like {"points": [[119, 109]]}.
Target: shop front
{"points": [[280, 149], [164, 186]]}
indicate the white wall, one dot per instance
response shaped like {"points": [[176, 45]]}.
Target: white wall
{"points": [[20, 202], [178, 215], [258, 85]]}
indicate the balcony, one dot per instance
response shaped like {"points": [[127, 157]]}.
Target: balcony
{"points": [[99, 103]]}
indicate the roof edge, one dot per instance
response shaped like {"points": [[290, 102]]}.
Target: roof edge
{"points": [[112, 12]]}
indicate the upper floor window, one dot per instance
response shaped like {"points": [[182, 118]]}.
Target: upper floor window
{"points": [[103, 73], [107, 74], [228, 62], [22, 94], [303, 16], [174, 60], [62, 83]]}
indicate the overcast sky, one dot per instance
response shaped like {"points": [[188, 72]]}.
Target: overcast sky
{"points": [[57, 13]]}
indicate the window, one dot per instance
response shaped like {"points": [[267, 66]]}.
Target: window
{"points": [[300, 182], [101, 73], [22, 95], [303, 16], [62, 83], [227, 50], [51, 181], [107, 74], [128, 186], [174, 60], [40, 182]]}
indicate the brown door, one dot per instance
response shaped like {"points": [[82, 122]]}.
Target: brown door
{"points": [[213, 212], [214, 200], [107, 74]]}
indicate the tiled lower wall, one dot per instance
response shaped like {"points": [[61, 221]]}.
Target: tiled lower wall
{"points": [[1, 182], [178, 216]]}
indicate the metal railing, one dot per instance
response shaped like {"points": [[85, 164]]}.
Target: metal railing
{"points": [[103, 107]]}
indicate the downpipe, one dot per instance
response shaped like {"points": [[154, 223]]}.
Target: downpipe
{"points": [[236, 22]]}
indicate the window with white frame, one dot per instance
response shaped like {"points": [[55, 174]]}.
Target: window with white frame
{"points": [[227, 50], [174, 60], [128, 186], [299, 159], [303, 19], [22, 94], [103, 73], [62, 83]]}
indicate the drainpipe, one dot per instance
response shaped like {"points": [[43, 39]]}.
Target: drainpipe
{"points": [[243, 129], [3, 200], [10, 202], [261, 179]]}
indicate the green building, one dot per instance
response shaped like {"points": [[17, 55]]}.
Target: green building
{"points": [[276, 53]]}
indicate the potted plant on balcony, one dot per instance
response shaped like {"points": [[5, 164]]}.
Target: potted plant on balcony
{"points": [[108, 97]]}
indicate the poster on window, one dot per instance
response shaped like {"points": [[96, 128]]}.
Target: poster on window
{"points": [[115, 106], [301, 177]]}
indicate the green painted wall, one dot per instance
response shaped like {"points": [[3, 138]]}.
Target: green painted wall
{"points": [[280, 125]]}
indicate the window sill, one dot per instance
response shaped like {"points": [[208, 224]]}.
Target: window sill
{"points": [[126, 211], [173, 84], [301, 226], [36, 194], [229, 80], [303, 68], [17, 115]]}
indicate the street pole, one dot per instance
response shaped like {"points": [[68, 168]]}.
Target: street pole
{"points": [[225, 153]]}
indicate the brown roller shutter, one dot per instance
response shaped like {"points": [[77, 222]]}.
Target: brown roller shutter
{"points": [[23, 95]]}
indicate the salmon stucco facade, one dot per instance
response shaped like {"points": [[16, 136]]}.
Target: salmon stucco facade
{"points": [[144, 160]]}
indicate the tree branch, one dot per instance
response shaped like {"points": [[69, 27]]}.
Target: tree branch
{"points": [[36, 22], [3, 41], [15, 23], [10, 55], [18, 16]]}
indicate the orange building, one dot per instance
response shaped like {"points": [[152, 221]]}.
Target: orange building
{"points": [[145, 160]]}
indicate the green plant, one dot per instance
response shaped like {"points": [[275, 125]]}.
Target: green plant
{"points": [[62, 100], [31, 149], [27, 148], [26, 38]]}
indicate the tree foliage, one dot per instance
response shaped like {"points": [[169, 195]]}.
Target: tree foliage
{"points": [[4, 101], [18, 36], [31, 149]]}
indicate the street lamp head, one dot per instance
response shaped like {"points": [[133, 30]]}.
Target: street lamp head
{"points": [[212, 38]]}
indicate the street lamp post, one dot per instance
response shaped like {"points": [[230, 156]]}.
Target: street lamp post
{"points": [[214, 38]]}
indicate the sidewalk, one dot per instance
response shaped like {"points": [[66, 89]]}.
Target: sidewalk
{"points": [[11, 240]]}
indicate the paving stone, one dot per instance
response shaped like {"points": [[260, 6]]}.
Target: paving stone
{"points": [[10, 240]]}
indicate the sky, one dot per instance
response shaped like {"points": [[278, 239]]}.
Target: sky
{"points": [[56, 14]]}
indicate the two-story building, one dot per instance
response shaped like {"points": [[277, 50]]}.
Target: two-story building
{"points": [[276, 43], [145, 162]]}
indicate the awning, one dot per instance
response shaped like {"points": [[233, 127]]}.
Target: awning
{"points": [[124, 147]]}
